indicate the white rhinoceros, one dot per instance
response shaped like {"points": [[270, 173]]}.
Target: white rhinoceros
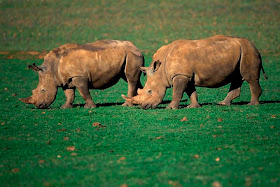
{"points": [[212, 62], [96, 65]]}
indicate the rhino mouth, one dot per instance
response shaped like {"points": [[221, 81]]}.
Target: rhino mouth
{"points": [[41, 106], [148, 106]]}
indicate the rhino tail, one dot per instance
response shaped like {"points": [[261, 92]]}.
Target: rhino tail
{"points": [[265, 76]]}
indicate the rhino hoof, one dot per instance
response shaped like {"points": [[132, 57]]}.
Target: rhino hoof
{"points": [[66, 106], [194, 106], [223, 103], [253, 103], [172, 107], [90, 105]]}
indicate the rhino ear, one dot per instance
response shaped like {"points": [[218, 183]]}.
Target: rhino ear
{"points": [[144, 70], [156, 64], [37, 68]]}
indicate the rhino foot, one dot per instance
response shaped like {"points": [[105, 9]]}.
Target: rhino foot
{"points": [[253, 103], [66, 106], [92, 105], [194, 106], [172, 106], [224, 103]]}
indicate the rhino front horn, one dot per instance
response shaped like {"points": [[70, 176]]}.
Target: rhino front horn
{"points": [[27, 100], [132, 100], [129, 99], [125, 97]]}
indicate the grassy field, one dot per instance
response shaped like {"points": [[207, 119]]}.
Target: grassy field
{"points": [[111, 145]]}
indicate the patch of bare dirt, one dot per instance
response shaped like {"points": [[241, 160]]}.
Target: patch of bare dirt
{"points": [[23, 55]]}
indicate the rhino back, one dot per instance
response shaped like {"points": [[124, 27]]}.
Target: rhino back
{"points": [[162, 55], [211, 61], [102, 68], [127, 45], [52, 59]]}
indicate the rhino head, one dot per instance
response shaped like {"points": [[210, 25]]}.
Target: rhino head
{"points": [[154, 90], [45, 93]]}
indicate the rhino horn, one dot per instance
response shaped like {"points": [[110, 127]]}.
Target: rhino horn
{"points": [[125, 97], [27, 100], [130, 99]]}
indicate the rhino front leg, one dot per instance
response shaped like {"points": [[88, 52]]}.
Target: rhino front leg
{"points": [[191, 91], [82, 85], [234, 91], [180, 83], [70, 96]]}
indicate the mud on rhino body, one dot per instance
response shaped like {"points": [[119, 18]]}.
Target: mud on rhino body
{"points": [[96, 65], [211, 62]]}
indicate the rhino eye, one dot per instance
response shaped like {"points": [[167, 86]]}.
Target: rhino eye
{"points": [[149, 91], [43, 90]]}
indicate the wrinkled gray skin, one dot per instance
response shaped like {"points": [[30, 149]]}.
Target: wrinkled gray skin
{"points": [[96, 65], [211, 62]]}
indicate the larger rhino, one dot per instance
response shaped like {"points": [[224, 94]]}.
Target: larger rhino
{"points": [[211, 62], [96, 65]]}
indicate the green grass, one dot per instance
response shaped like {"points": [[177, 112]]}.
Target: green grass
{"points": [[235, 145]]}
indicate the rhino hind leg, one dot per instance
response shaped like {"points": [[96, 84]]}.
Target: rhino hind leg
{"points": [[70, 96], [180, 83], [132, 75], [256, 92], [251, 65], [234, 91], [82, 85]]}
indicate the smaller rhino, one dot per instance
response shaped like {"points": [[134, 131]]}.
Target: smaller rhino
{"points": [[96, 65], [212, 62]]}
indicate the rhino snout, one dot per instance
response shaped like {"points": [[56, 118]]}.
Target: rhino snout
{"points": [[146, 106], [41, 106], [149, 105]]}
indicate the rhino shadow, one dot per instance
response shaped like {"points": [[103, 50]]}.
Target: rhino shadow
{"points": [[181, 106], [261, 102], [81, 105], [166, 102], [98, 105]]}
